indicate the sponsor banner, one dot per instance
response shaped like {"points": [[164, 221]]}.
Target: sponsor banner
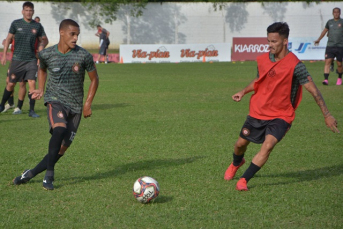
{"points": [[175, 53], [248, 48], [304, 48]]}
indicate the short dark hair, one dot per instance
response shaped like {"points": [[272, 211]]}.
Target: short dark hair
{"points": [[279, 27], [337, 9], [67, 22], [28, 4], [98, 26]]}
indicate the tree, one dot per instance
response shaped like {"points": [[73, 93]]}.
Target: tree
{"points": [[105, 10]]}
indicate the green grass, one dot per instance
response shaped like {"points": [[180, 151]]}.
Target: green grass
{"points": [[178, 124]]}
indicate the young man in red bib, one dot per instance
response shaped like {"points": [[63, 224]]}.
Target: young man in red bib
{"points": [[277, 93]]}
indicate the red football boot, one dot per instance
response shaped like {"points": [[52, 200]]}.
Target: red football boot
{"points": [[231, 170]]}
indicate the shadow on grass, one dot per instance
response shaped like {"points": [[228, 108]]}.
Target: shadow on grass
{"points": [[136, 166], [109, 106], [308, 175]]}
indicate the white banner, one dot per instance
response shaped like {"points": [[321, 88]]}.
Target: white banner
{"points": [[175, 53], [304, 48]]}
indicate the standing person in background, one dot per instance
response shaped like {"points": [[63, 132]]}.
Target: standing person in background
{"points": [[104, 42], [277, 93], [334, 47], [25, 32], [22, 85]]}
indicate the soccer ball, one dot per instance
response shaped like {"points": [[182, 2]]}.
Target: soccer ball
{"points": [[145, 189]]}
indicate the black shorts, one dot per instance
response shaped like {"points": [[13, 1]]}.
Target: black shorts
{"points": [[255, 130], [332, 52], [103, 49], [57, 113], [22, 71]]}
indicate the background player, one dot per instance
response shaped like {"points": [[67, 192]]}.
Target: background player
{"points": [[24, 31], [334, 47]]}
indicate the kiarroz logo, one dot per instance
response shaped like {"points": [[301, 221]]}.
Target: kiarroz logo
{"points": [[302, 47]]}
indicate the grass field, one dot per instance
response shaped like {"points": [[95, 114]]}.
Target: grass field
{"points": [[178, 124]]}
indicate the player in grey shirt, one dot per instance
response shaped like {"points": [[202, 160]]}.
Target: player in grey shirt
{"points": [[334, 47], [66, 63]]}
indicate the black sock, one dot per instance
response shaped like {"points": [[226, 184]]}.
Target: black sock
{"points": [[326, 76], [11, 100], [6, 96], [32, 103], [251, 171], [41, 166], [237, 159], [20, 104], [340, 75], [54, 147]]}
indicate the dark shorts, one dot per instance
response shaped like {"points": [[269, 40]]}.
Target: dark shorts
{"points": [[332, 52], [22, 71], [102, 50], [255, 130], [57, 113]]}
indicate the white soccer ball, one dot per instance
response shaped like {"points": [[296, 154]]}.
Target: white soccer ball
{"points": [[145, 189]]}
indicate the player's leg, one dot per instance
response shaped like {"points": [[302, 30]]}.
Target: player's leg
{"points": [[327, 70], [238, 158], [57, 123], [57, 116], [6, 95], [10, 101], [339, 71], [21, 97], [274, 132], [248, 133], [16, 74], [329, 57], [32, 102], [31, 77], [339, 66]]}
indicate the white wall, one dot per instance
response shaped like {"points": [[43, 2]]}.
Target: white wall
{"points": [[181, 23]]}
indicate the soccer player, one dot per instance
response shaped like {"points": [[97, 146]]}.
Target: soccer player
{"points": [[24, 31], [66, 63], [277, 93], [334, 47], [104, 40]]}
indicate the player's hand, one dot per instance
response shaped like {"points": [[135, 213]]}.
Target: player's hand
{"points": [[36, 94], [316, 42], [238, 96], [87, 111], [331, 123]]}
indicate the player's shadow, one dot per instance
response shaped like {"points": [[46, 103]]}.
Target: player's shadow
{"points": [[135, 166], [307, 175], [109, 106]]}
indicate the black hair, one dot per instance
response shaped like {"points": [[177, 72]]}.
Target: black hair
{"points": [[28, 4], [67, 22], [279, 27], [337, 9]]}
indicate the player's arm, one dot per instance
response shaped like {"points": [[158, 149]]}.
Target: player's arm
{"points": [[325, 30], [38, 93], [239, 95], [107, 34], [7, 42], [42, 42], [329, 119], [93, 76]]}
